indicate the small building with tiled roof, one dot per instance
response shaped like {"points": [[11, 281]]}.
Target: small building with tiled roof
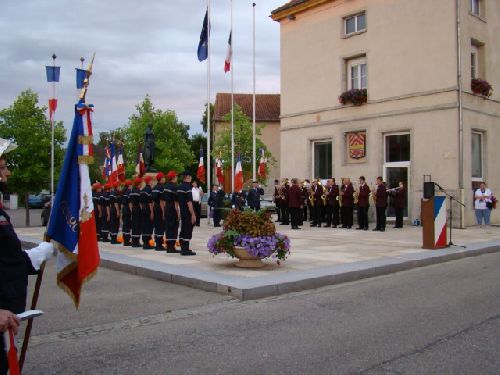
{"points": [[267, 116]]}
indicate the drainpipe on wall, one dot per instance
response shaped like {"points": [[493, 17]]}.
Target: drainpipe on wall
{"points": [[460, 118]]}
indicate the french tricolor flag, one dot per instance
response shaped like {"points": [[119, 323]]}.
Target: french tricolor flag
{"points": [[114, 165], [72, 222], [200, 173], [238, 175], [121, 164], [262, 164], [229, 55], [219, 172]]}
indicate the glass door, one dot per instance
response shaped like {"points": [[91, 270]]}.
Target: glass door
{"points": [[392, 177]]}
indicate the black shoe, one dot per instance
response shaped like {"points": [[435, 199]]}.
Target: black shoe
{"points": [[375, 229], [136, 245], [187, 253], [359, 228], [334, 226], [127, 244], [365, 228], [159, 249], [172, 250], [382, 230], [327, 226]]}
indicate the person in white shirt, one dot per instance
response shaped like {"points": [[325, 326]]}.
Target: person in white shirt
{"points": [[197, 193], [482, 204]]}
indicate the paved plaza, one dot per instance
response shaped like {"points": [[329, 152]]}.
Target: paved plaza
{"points": [[319, 256]]}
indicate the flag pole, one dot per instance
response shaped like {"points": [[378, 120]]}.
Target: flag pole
{"points": [[52, 138], [254, 157], [232, 103], [209, 171]]}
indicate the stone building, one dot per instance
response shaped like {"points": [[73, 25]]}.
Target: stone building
{"points": [[416, 60], [267, 115]]}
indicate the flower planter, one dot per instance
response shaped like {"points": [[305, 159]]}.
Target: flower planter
{"points": [[246, 260]]}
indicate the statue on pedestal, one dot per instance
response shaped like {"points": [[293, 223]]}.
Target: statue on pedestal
{"points": [[149, 149]]}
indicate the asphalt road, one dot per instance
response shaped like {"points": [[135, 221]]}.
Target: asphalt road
{"points": [[442, 319]]}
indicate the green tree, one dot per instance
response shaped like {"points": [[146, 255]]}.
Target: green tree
{"points": [[243, 142], [173, 151], [26, 124], [203, 121]]}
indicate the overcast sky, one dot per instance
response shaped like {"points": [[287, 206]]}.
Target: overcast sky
{"points": [[141, 47]]}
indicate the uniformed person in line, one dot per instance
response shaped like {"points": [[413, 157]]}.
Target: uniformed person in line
{"points": [[188, 216], [159, 217], [347, 204], [306, 185], [328, 203], [96, 200], [147, 212], [126, 213], [334, 202], [381, 204], [135, 209], [363, 204], [114, 212], [105, 202], [319, 205], [276, 199], [170, 207], [285, 213]]}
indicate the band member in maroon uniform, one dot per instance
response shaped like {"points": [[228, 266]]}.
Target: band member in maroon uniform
{"points": [[285, 214], [295, 203], [399, 202], [276, 199], [363, 204], [333, 201], [318, 204], [381, 204], [347, 204], [328, 204]]}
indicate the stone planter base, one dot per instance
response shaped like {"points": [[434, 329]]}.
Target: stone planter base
{"points": [[246, 260]]}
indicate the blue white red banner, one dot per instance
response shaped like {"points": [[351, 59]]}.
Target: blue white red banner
{"points": [[72, 223]]}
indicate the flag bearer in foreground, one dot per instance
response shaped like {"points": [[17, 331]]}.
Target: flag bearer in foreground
{"points": [[15, 264]]}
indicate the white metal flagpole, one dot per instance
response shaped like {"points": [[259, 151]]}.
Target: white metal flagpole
{"points": [[52, 149], [254, 157], [209, 170], [232, 102]]}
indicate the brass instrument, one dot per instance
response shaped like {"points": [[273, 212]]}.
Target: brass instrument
{"points": [[339, 199], [311, 198], [323, 198], [373, 198], [395, 190], [356, 197]]}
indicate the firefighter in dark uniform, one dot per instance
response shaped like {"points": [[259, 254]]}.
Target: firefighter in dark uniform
{"points": [[159, 217], [188, 216], [147, 213], [96, 200], [114, 212], [15, 264], [126, 213], [170, 207], [105, 213], [135, 210]]}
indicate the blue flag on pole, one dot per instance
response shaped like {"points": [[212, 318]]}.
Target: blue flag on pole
{"points": [[203, 45], [80, 77], [53, 73]]}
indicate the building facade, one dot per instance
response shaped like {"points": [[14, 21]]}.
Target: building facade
{"points": [[416, 61], [267, 117]]}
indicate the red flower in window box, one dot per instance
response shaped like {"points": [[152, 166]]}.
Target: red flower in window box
{"points": [[355, 96], [481, 87]]}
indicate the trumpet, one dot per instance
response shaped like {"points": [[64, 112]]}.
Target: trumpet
{"points": [[339, 199], [356, 197]]}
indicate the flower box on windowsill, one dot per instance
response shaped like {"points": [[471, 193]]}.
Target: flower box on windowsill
{"points": [[481, 87], [356, 97]]}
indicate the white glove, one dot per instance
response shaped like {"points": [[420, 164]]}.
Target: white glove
{"points": [[41, 253]]}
